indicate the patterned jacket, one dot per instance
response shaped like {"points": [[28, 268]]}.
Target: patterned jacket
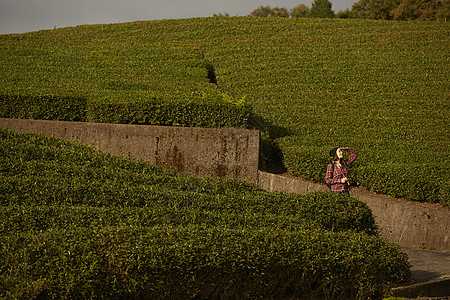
{"points": [[335, 174]]}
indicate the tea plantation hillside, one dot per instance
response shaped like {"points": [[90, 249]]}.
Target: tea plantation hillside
{"points": [[79, 224], [380, 87]]}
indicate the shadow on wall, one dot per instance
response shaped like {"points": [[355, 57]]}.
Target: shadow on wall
{"points": [[271, 156]]}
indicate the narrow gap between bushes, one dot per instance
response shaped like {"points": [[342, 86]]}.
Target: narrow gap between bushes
{"points": [[211, 72]]}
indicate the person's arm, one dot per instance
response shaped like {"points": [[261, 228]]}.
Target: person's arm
{"points": [[329, 174], [353, 155]]}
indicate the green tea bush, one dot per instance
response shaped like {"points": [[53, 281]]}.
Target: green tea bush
{"points": [[420, 183], [77, 223]]}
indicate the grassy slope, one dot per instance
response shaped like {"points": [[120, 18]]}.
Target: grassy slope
{"points": [[379, 87]]}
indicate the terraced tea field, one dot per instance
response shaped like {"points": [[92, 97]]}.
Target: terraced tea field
{"points": [[380, 87]]}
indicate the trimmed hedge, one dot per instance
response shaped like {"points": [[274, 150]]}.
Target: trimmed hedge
{"points": [[156, 112], [63, 108], [188, 261], [213, 114], [76, 223], [318, 212]]}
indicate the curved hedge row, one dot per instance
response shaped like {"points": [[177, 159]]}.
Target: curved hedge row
{"points": [[41, 171], [79, 223]]}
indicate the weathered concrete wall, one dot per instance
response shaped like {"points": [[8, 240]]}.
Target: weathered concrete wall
{"points": [[410, 224], [274, 182], [226, 152]]}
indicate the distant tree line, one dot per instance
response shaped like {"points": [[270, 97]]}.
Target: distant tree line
{"points": [[407, 10]]}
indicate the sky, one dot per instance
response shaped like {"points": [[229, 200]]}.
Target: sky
{"points": [[19, 16]]}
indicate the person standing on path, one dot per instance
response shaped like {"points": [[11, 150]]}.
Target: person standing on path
{"points": [[336, 176]]}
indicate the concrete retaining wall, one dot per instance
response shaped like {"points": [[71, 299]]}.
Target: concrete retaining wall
{"points": [[410, 224], [194, 151]]}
